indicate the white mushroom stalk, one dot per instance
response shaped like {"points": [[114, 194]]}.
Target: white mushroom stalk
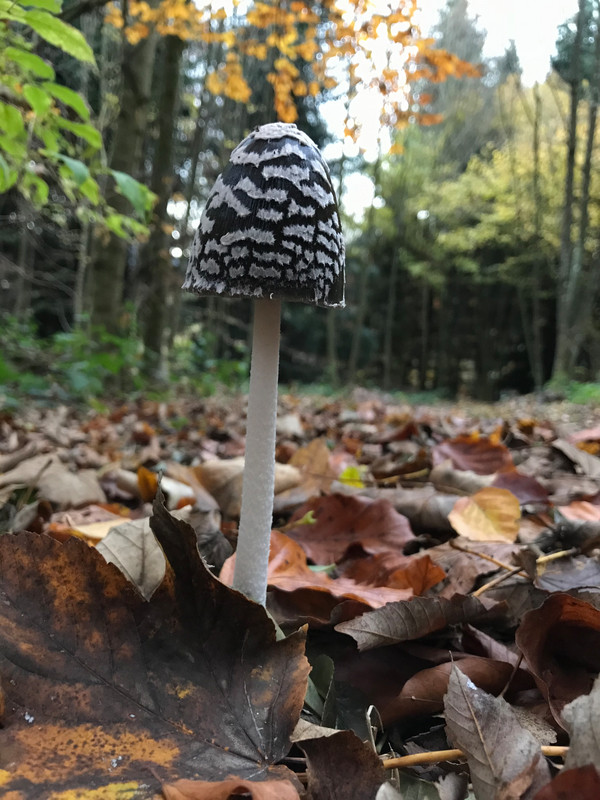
{"points": [[254, 537], [270, 231]]}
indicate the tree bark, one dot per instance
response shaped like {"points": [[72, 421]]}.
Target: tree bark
{"points": [[161, 277], [109, 251], [562, 356]]}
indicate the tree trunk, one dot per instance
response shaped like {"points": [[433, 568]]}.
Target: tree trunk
{"points": [[362, 293], [160, 274], [583, 274], [562, 357], [109, 251], [390, 314]]}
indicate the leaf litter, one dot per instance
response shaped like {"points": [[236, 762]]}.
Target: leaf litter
{"points": [[437, 572]]}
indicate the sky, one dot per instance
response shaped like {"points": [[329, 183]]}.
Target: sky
{"points": [[531, 23]]}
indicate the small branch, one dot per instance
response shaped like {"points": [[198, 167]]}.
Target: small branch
{"points": [[496, 581], [501, 564], [550, 751]]}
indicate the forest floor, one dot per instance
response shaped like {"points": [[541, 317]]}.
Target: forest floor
{"points": [[441, 563]]}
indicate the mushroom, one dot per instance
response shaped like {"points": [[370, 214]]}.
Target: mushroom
{"points": [[270, 231]]}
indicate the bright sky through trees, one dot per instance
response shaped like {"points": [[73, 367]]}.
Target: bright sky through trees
{"points": [[531, 23]]}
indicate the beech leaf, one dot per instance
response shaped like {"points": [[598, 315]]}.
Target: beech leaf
{"points": [[489, 515], [410, 619], [504, 759]]}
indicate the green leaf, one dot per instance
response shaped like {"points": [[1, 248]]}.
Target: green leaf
{"points": [[36, 188], [53, 6], [78, 169], [30, 62], [56, 32], [69, 98], [8, 175], [37, 98], [9, 10], [138, 195], [11, 121], [90, 189], [83, 130], [14, 147]]}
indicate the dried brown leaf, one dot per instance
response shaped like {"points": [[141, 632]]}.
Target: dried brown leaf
{"points": [[191, 681], [581, 783], [343, 521], [410, 619], [560, 642], [504, 759], [341, 766]]}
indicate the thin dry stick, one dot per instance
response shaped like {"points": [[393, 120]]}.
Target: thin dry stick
{"points": [[485, 556], [495, 581], [559, 554], [550, 751]]}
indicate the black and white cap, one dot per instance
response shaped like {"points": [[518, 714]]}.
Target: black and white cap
{"points": [[271, 226]]}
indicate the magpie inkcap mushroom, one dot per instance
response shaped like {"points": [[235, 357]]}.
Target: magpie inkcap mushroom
{"points": [[271, 226], [270, 231]]}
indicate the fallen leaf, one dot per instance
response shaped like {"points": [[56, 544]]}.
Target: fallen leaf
{"points": [[582, 719], [223, 480], [504, 759], [394, 570], [525, 488], [447, 479], [560, 642], [423, 694], [581, 783], [289, 572], [341, 766], [190, 682], [132, 547], [231, 788], [476, 453], [410, 619], [585, 463], [488, 515], [343, 521]]}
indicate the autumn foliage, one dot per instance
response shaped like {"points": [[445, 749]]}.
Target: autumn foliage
{"points": [[309, 49], [432, 596]]}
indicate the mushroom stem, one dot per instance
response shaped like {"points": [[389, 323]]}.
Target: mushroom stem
{"points": [[256, 517]]}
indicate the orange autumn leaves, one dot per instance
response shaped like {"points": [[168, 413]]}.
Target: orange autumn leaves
{"points": [[307, 52]]}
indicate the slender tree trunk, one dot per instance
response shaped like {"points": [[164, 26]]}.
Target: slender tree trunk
{"points": [[362, 292], [536, 359], [110, 252], [424, 329], [25, 257], [562, 358], [583, 278], [162, 277], [390, 314]]}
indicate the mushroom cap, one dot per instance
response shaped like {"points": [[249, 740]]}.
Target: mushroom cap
{"points": [[271, 227]]}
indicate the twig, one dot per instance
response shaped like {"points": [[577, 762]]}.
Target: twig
{"points": [[485, 556], [550, 751], [559, 554], [495, 581]]}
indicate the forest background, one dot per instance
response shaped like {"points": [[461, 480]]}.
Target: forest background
{"points": [[473, 272]]}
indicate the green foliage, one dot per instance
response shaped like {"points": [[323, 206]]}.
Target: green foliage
{"points": [[583, 393], [47, 136], [96, 366], [73, 366], [195, 365]]}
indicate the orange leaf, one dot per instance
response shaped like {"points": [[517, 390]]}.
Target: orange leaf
{"points": [[489, 515]]}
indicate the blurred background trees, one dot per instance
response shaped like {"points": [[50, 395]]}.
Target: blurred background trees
{"points": [[474, 270]]}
